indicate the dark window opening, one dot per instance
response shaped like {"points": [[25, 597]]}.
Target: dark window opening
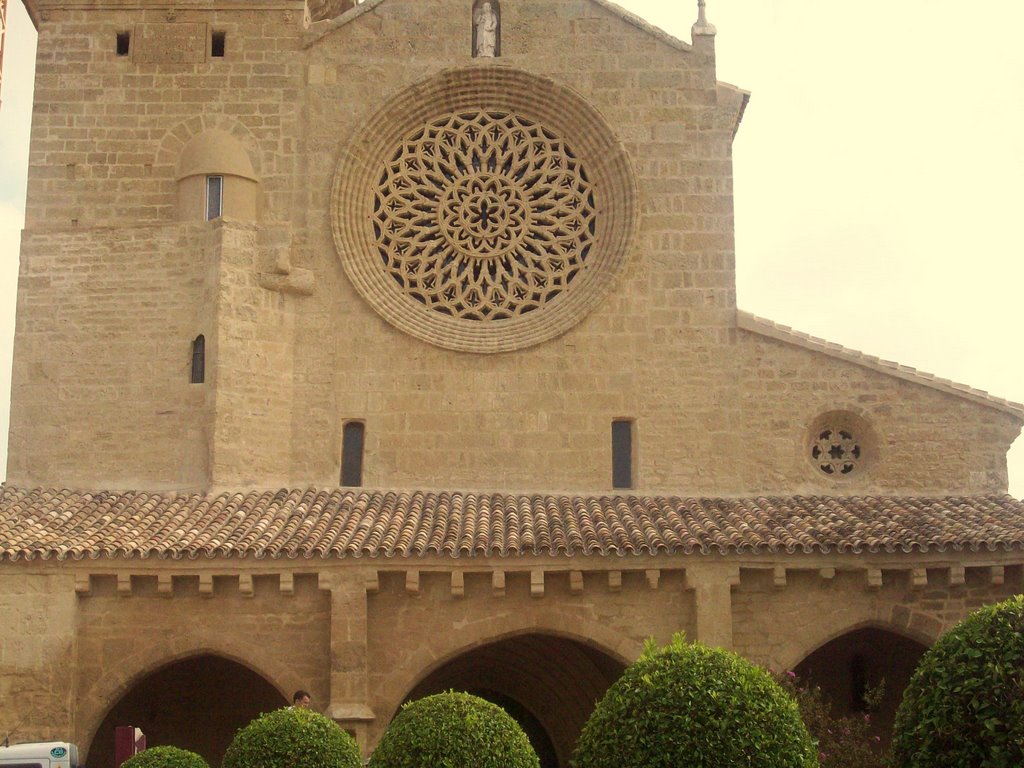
{"points": [[622, 453], [214, 197], [217, 41], [352, 439], [199, 359], [124, 40]]}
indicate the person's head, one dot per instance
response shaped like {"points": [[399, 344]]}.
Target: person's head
{"points": [[300, 699]]}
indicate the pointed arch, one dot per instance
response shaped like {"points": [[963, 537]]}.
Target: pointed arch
{"points": [[169, 702], [97, 697], [546, 681], [869, 657]]}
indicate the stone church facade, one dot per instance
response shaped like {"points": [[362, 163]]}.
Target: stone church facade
{"points": [[385, 349]]}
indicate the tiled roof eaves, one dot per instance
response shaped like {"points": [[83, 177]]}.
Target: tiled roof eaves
{"points": [[354, 523], [759, 325]]}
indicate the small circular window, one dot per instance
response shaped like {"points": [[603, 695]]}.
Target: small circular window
{"points": [[836, 451], [839, 444]]}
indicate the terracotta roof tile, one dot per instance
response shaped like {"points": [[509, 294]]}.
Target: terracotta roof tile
{"points": [[312, 523]]}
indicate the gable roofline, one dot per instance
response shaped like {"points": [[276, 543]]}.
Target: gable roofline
{"points": [[643, 25], [320, 29], [763, 327], [33, 12]]}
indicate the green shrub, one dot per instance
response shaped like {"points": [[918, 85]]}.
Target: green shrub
{"points": [[454, 730], [964, 705], [165, 757], [292, 737], [690, 706]]}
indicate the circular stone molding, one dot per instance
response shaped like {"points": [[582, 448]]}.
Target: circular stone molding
{"points": [[485, 210], [840, 445]]}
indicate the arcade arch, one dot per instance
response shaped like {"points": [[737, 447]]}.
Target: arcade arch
{"points": [[848, 666], [197, 703], [547, 682]]}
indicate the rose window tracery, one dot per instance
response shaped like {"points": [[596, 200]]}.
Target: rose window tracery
{"points": [[483, 215], [836, 451]]}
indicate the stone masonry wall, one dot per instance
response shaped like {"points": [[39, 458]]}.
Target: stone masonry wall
{"points": [[107, 128], [105, 315], [538, 417], [37, 654], [122, 638], [916, 440], [100, 386], [779, 627], [78, 636]]}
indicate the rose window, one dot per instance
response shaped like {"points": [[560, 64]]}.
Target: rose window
{"points": [[484, 209], [483, 216], [836, 451]]}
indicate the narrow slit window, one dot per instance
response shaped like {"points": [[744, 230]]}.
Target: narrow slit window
{"points": [[352, 439], [124, 42], [622, 453], [214, 197], [217, 43], [199, 359]]}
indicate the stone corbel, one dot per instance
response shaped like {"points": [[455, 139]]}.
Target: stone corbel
{"points": [[282, 277], [298, 282]]}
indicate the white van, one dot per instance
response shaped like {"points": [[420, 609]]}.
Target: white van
{"points": [[40, 754]]}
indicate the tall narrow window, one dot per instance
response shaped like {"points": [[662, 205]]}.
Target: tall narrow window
{"points": [[199, 359], [217, 44], [352, 453], [622, 453], [214, 197], [124, 42]]}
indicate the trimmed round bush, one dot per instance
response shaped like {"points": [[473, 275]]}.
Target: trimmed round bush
{"points": [[165, 757], [690, 706], [964, 705], [454, 730], [290, 737]]}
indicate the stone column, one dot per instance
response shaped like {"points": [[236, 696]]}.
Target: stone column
{"points": [[348, 706], [712, 587]]}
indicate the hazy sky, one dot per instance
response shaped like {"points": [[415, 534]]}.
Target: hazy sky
{"points": [[879, 176]]}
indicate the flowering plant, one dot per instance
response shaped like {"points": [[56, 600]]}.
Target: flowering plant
{"points": [[845, 741]]}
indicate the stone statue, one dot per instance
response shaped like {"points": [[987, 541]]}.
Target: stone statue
{"points": [[485, 30]]}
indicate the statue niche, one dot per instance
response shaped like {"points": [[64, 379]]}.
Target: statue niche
{"points": [[486, 29]]}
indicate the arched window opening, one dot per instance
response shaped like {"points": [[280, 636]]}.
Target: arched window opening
{"points": [[199, 359], [216, 177], [352, 439]]}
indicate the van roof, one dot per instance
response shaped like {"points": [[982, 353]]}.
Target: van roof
{"points": [[35, 749]]}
